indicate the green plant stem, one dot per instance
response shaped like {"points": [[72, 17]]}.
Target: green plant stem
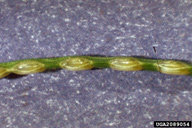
{"points": [[35, 65]]}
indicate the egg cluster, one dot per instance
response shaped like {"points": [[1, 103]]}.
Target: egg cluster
{"points": [[25, 67]]}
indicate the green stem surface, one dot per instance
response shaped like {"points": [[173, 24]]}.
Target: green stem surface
{"points": [[76, 63]]}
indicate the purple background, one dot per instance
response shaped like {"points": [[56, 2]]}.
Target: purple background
{"points": [[94, 98]]}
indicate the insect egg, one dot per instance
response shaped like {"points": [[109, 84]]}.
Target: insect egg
{"points": [[173, 67], [3, 72], [28, 67], [125, 64], [76, 64]]}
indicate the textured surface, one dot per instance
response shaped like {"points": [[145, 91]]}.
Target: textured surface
{"points": [[94, 98]]}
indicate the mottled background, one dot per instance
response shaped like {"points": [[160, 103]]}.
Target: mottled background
{"points": [[94, 98]]}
